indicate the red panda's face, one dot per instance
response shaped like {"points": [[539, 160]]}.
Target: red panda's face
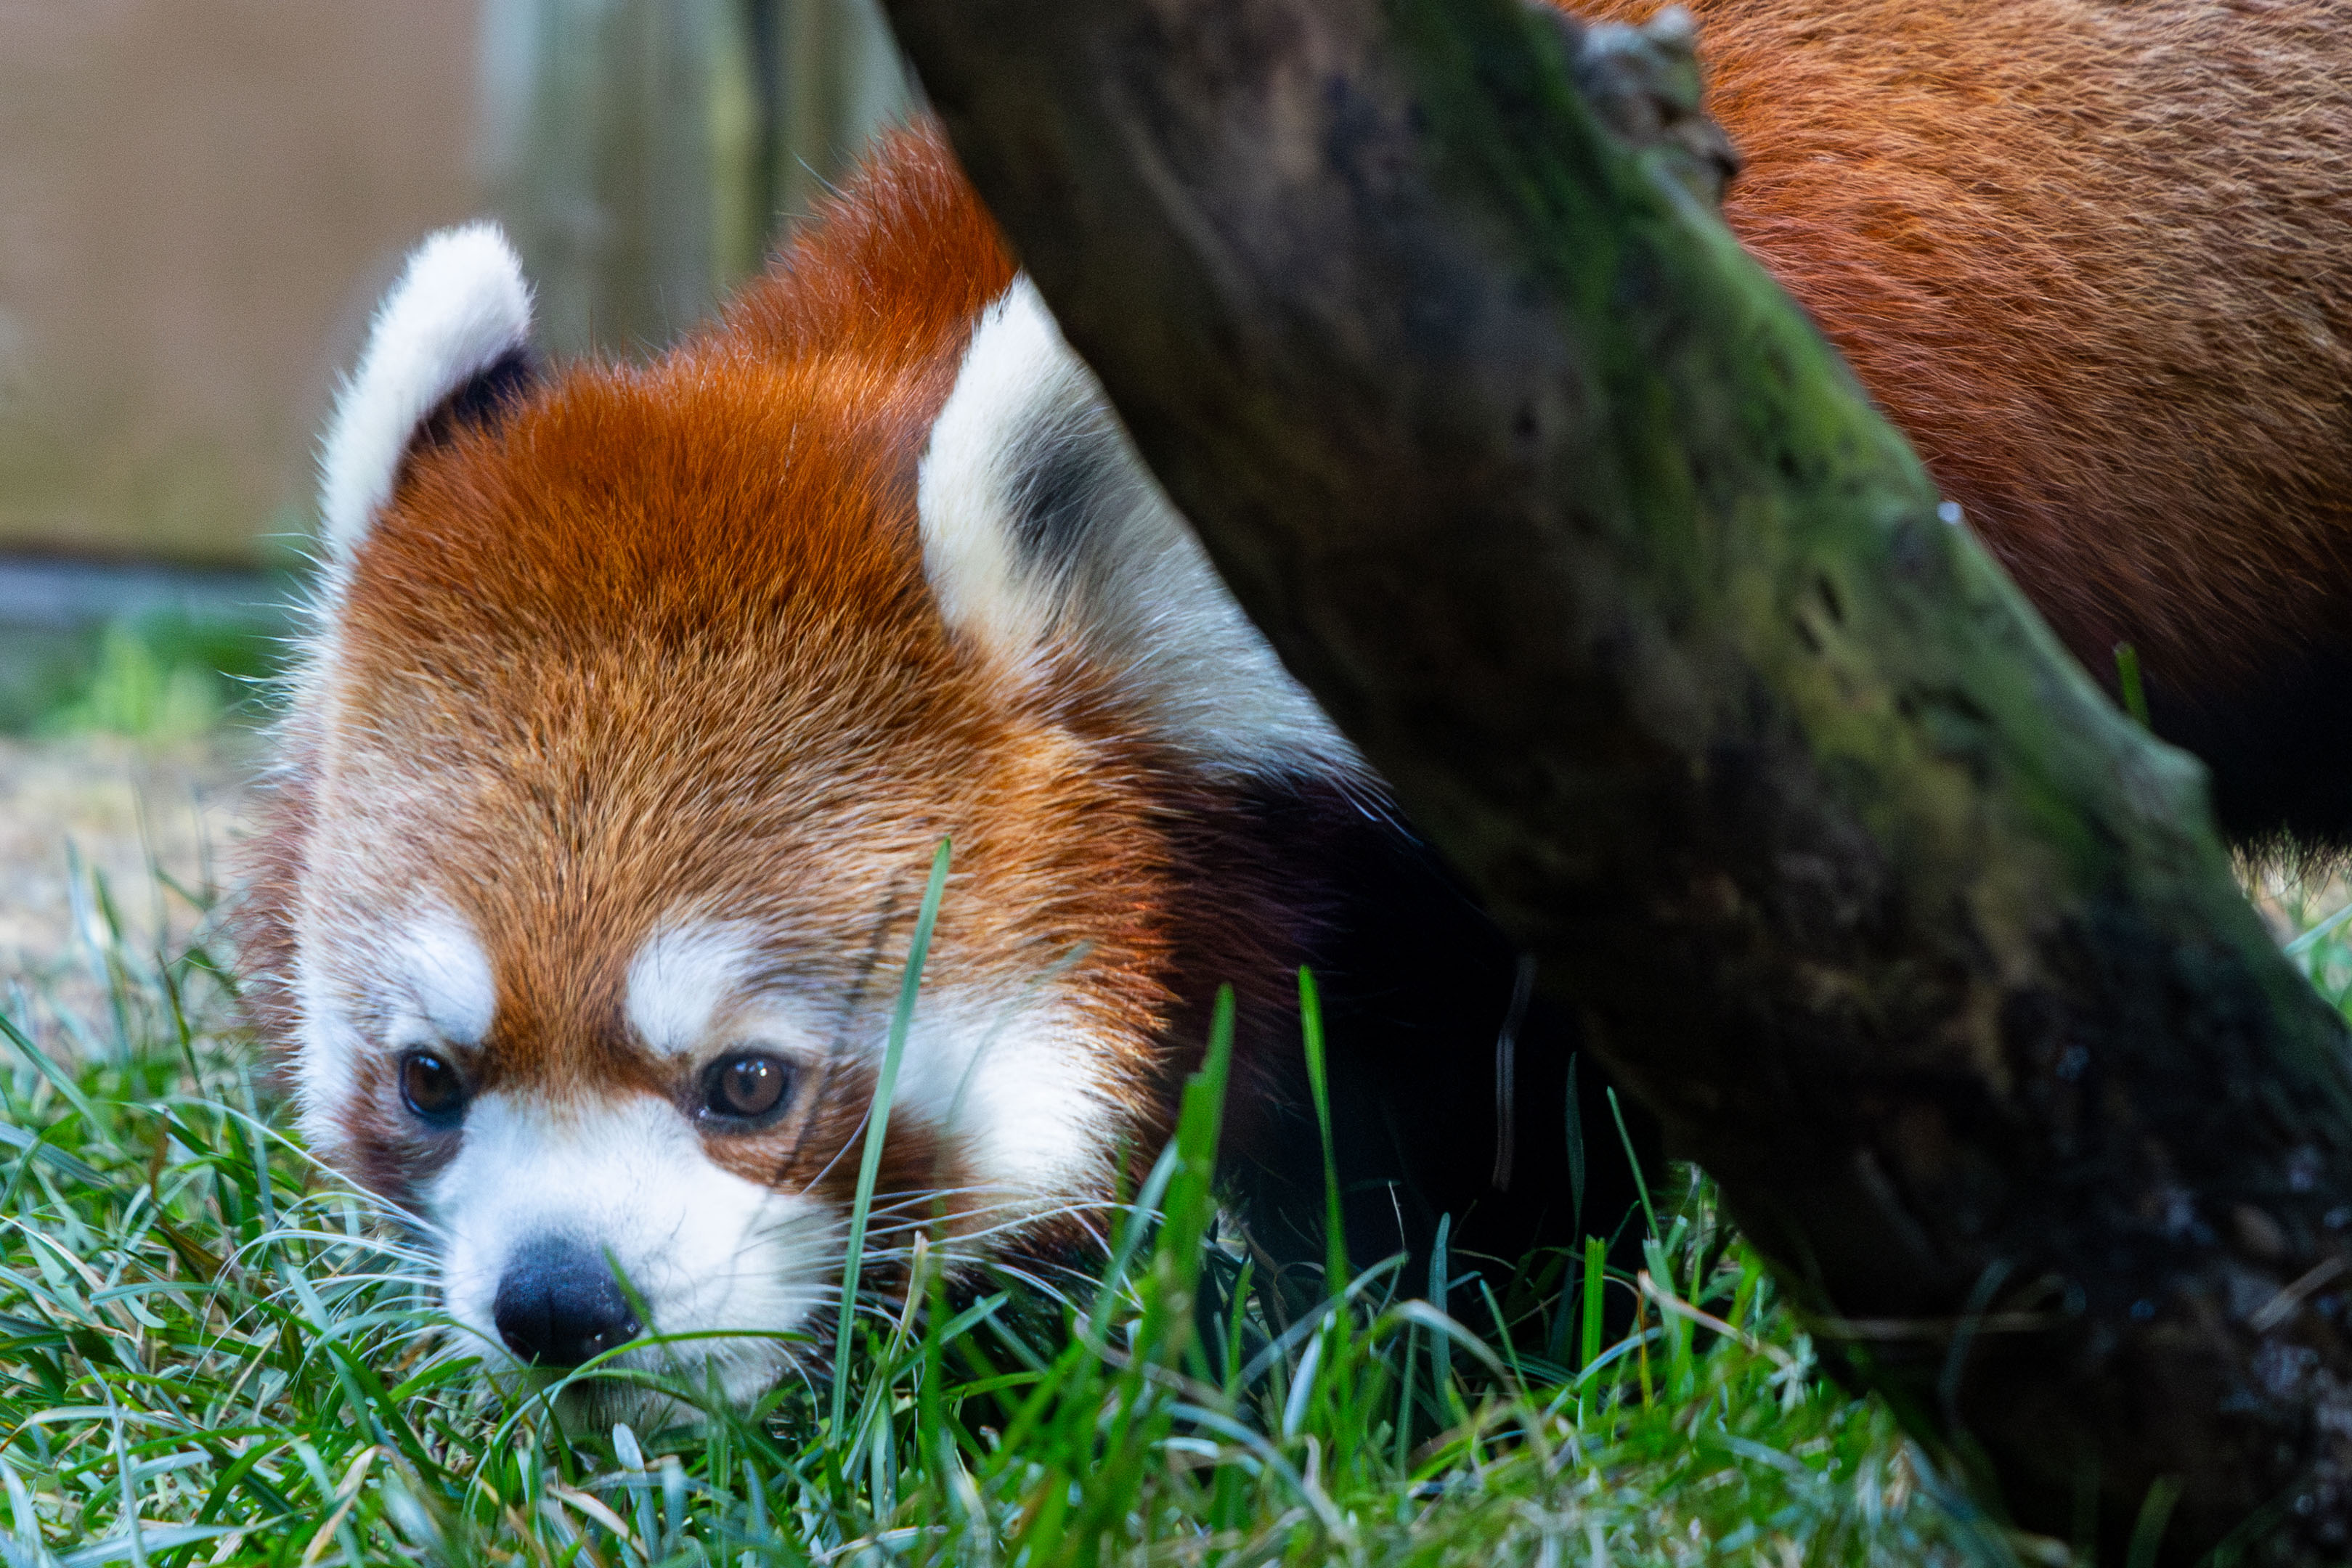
{"points": [[638, 732], [639, 704]]}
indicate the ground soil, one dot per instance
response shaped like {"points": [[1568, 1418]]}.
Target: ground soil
{"points": [[141, 821]]}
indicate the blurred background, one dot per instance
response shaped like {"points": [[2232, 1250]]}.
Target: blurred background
{"points": [[200, 201]]}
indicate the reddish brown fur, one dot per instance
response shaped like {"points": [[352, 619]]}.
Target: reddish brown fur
{"points": [[660, 640], [2092, 256]]}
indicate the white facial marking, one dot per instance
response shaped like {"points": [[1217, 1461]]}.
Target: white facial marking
{"points": [[426, 981], [679, 980], [445, 978], [1014, 1079], [1008, 1074], [1026, 431], [327, 1046], [706, 1251]]}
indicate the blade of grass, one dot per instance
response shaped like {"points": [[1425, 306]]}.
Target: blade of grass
{"points": [[1596, 1277], [58, 1078], [1641, 1182], [2127, 679], [1335, 1233], [1507, 1074], [1441, 1348], [2319, 933], [877, 1128]]}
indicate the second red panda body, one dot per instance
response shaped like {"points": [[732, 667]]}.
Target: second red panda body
{"points": [[640, 697], [2095, 258]]}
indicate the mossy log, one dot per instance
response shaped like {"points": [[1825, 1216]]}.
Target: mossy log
{"points": [[1572, 521]]}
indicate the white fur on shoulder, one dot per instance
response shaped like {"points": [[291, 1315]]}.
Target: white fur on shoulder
{"points": [[460, 307], [1043, 533]]}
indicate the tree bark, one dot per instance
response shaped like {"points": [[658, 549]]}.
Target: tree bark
{"points": [[1571, 521]]}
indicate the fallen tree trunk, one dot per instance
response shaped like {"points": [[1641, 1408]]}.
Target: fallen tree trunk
{"points": [[1928, 955]]}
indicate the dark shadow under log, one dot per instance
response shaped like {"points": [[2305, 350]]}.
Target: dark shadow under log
{"points": [[1573, 523]]}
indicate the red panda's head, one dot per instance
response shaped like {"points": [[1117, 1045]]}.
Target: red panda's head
{"points": [[637, 702]]}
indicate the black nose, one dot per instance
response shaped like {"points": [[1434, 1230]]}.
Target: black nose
{"points": [[559, 1304]]}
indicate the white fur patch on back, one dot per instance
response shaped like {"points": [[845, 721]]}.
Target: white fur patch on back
{"points": [[1043, 531], [460, 307], [679, 981]]}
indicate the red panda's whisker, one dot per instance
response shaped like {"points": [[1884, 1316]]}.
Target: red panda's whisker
{"points": [[636, 698]]}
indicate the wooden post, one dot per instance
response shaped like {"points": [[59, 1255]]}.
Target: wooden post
{"points": [[645, 153], [829, 76]]}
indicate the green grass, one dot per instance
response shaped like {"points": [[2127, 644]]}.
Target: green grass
{"points": [[158, 677], [210, 1352]]}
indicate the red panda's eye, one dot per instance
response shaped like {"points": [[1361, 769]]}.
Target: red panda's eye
{"points": [[747, 1084], [432, 1088]]}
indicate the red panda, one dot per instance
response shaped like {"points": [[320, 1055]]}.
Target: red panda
{"points": [[2094, 259], [638, 702], [639, 698]]}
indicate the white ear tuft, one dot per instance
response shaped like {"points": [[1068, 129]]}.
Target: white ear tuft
{"points": [[1020, 393], [461, 310], [1044, 536]]}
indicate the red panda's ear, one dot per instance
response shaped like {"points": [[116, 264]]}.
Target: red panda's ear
{"points": [[1044, 538], [450, 346]]}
